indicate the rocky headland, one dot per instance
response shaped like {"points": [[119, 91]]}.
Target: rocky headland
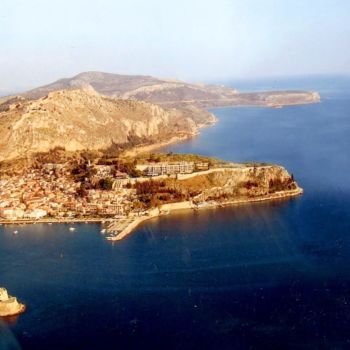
{"points": [[108, 112], [222, 185]]}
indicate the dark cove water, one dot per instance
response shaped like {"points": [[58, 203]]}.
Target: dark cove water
{"points": [[272, 275]]}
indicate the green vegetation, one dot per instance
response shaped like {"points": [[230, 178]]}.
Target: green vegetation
{"points": [[177, 157], [256, 164], [128, 168], [116, 149], [276, 185], [82, 172], [105, 184], [153, 193]]}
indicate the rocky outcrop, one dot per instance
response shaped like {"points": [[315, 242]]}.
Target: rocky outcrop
{"points": [[84, 119], [9, 306], [239, 182], [233, 184]]}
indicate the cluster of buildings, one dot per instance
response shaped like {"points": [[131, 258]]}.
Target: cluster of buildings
{"points": [[51, 192]]}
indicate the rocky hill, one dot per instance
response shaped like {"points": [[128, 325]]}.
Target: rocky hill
{"points": [[239, 182], [83, 119], [95, 110], [137, 87], [172, 93]]}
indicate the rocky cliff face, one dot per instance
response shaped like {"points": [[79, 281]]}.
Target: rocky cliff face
{"points": [[239, 182], [84, 119]]}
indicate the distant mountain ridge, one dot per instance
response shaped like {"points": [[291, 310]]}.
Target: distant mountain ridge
{"points": [[95, 110], [172, 93], [137, 87]]}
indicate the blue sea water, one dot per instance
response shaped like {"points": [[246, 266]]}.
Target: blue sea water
{"points": [[272, 275]]}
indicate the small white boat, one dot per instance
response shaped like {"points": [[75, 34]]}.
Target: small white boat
{"points": [[50, 223], [103, 230], [72, 229], [15, 232]]}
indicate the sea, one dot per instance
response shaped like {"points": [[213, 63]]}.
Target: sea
{"points": [[273, 275]]}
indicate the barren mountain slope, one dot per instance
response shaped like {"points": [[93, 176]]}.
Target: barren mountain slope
{"points": [[173, 93], [83, 119], [137, 87]]}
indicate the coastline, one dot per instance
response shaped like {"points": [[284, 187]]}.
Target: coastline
{"points": [[54, 221], [165, 209], [171, 207], [147, 148], [175, 139]]}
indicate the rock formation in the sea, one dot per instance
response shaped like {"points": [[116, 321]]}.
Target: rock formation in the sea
{"points": [[83, 119], [9, 305]]}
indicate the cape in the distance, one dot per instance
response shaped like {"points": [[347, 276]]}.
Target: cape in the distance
{"points": [[96, 111]]}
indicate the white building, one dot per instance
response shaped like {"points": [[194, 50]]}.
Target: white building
{"points": [[12, 214], [165, 168], [36, 214]]}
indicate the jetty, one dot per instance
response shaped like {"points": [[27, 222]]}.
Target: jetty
{"points": [[121, 228]]}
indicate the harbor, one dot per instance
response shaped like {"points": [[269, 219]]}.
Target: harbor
{"points": [[120, 228]]}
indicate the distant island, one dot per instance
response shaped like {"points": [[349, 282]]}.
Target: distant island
{"points": [[79, 150]]}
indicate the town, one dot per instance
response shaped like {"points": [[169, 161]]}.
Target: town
{"points": [[52, 190]]}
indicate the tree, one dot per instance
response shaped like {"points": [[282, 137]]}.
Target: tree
{"points": [[105, 184], [81, 191]]}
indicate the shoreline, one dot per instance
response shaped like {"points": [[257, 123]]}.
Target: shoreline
{"points": [[137, 150], [54, 221], [165, 209], [175, 139], [147, 148], [171, 207]]}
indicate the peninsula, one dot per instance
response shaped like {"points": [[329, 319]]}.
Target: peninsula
{"points": [[123, 192], [79, 150]]}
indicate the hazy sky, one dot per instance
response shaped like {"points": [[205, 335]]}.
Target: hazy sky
{"points": [[43, 40]]}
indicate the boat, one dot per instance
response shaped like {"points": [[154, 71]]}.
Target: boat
{"points": [[103, 230], [15, 232], [9, 306], [50, 223], [72, 229]]}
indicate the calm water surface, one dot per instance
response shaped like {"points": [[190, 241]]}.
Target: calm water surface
{"points": [[261, 276]]}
